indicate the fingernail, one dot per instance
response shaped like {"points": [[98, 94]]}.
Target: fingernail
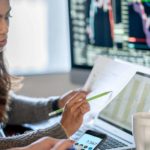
{"points": [[80, 99]]}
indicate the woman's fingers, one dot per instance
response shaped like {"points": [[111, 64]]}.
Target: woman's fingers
{"points": [[84, 108], [48, 143], [77, 97], [81, 106], [45, 143], [69, 96], [63, 145]]}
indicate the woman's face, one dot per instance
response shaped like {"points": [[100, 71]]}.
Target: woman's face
{"points": [[4, 21]]}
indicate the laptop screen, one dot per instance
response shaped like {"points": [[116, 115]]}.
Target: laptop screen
{"points": [[135, 97]]}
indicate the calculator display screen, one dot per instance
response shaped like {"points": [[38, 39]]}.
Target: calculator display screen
{"points": [[88, 142]]}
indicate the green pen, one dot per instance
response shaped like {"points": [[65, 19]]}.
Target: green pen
{"points": [[54, 113]]}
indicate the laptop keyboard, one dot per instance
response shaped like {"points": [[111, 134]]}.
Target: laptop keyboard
{"points": [[110, 143]]}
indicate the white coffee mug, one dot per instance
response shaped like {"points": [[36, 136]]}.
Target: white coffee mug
{"points": [[141, 130]]}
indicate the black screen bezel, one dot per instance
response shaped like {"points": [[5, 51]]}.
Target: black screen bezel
{"points": [[73, 64]]}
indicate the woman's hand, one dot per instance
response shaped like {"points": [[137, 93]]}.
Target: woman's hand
{"points": [[63, 145], [45, 143], [74, 111], [66, 97], [48, 143]]}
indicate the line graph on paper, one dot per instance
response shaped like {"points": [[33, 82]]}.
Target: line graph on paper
{"points": [[139, 24], [100, 23]]}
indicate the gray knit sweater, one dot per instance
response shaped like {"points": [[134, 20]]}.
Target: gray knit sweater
{"points": [[30, 110]]}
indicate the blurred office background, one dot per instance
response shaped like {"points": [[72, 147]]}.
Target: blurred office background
{"points": [[38, 46]]}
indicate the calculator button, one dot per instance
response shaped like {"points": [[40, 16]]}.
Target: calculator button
{"points": [[85, 146]]}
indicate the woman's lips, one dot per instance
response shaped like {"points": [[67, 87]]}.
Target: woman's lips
{"points": [[3, 43]]}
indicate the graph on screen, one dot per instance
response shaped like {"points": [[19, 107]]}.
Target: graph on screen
{"points": [[112, 28], [100, 33], [134, 98], [139, 13]]}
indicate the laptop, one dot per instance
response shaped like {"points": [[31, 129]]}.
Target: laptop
{"points": [[115, 120]]}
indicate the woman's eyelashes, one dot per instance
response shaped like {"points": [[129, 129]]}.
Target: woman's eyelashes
{"points": [[8, 16]]}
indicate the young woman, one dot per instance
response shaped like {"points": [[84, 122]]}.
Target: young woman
{"points": [[19, 109]]}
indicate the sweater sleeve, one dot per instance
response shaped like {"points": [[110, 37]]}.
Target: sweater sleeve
{"points": [[55, 131], [29, 110]]}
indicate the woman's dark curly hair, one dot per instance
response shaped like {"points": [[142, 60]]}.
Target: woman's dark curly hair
{"points": [[5, 86]]}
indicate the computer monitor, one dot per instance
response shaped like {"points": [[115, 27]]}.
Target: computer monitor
{"points": [[112, 28]]}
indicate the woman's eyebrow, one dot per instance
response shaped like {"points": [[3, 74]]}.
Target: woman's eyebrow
{"points": [[8, 10], [1, 15]]}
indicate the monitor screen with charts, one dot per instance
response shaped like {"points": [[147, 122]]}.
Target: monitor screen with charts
{"points": [[115, 28], [111, 28], [134, 98]]}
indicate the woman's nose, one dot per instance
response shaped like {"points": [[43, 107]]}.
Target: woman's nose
{"points": [[3, 26]]}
